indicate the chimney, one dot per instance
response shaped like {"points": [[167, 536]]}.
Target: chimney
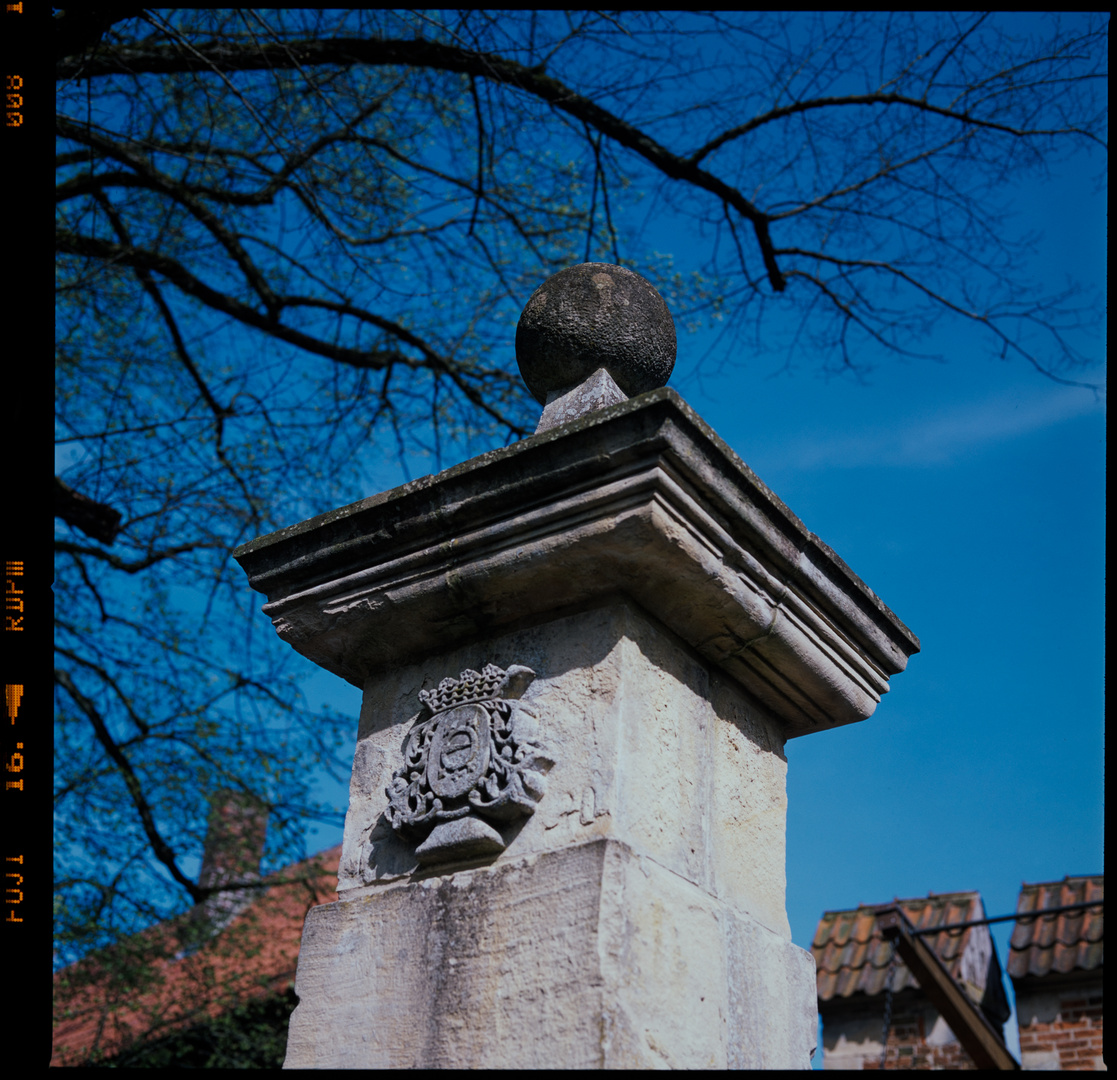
{"points": [[235, 834]]}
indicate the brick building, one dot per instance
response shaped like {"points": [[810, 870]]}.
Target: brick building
{"points": [[1055, 962], [853, 961], [212, 989]]}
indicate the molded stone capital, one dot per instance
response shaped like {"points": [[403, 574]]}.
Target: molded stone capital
{"points": [[642, 499]]}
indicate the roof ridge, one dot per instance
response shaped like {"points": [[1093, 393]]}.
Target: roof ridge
{"points": [[1062, 880]]}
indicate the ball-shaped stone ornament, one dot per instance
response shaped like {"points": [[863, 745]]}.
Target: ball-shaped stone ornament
{"points": [[591, 316]]}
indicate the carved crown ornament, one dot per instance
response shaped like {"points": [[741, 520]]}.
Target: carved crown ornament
{"points": [[473, 755]]}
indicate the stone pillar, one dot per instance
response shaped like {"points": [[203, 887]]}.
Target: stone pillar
{"points": [[581, 656]]}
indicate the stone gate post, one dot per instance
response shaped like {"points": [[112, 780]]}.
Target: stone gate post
{"points": [[581, 657]]}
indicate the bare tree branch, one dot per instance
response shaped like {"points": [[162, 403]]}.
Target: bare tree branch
{"points": [[986, 320], [220, 58], [919, 104], [136, 565], [162, 850], [95, 519]]}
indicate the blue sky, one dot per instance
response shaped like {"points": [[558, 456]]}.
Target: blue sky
{"points": [[969, 494]]}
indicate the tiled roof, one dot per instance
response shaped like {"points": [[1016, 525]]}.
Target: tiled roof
{"points": [[1069, 941], [93, 1014], [852, 957]]}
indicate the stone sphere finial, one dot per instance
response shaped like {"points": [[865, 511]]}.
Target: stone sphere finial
{"points": [[592, 316]]}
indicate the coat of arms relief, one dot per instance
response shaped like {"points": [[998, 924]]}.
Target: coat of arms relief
{"points": [[473, 756]]}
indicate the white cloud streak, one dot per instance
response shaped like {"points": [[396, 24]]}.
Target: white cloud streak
{"points": [[942, 437]]}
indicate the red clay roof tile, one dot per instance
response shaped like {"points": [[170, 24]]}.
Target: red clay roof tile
{"points": [[852, 957], [1064, 942]]}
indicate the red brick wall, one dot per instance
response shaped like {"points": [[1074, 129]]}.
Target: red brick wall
{"points": [[1075, 1034], [908, 1049]]}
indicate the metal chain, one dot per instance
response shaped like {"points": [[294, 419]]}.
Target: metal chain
{"points": [[887, 1005]]}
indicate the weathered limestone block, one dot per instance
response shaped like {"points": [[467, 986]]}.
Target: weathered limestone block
{"points": [[651, 745], [592, 956]]}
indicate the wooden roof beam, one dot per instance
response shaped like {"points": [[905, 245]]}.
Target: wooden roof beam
{"points": [[974, 1031]]}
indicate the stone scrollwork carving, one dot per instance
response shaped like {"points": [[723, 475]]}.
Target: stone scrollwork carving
{"points": [[473, 753]]}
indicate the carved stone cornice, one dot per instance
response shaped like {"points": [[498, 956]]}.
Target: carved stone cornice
{"points": [[642, 499]]}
